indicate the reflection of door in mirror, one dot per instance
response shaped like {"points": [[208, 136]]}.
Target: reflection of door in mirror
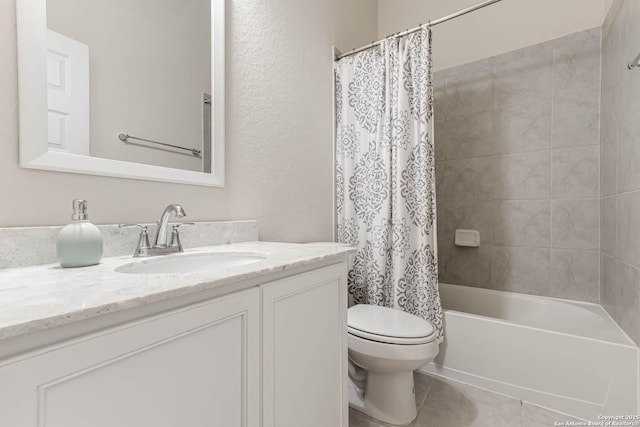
{"points": [[68, 94], [147, 65]]}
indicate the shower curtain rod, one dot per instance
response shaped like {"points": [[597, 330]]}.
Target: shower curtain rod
{"points": [[421, 26]]}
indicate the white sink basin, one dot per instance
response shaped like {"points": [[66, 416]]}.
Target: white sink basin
{"points": [[197, 263]]}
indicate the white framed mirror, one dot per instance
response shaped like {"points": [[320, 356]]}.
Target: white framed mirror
{"points": [[111, 88]]}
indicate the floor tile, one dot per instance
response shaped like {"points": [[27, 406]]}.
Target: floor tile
{"points": [[455, 404], [423, 385], [446, 403], [356, 419], [534, 416]]}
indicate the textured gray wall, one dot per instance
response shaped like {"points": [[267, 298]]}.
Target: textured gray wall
{"points": [[517, 141], [620, 166]]}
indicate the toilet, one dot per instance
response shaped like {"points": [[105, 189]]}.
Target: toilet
{"points": [[385, 347]]}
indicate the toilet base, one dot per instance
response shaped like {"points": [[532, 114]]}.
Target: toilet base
{"points": [[389, 398]]}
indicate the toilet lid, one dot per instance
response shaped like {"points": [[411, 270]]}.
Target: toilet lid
{"points": [[388, 325]]}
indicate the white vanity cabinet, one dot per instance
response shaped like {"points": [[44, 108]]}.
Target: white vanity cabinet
{"points": [[304, 365], [196, 366], [272, 355]]}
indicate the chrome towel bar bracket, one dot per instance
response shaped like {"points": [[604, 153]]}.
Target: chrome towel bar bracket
{"points": [[635, 63]]}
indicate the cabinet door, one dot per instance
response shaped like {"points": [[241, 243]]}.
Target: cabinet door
{"points": [[305, 350], [196, 366]]}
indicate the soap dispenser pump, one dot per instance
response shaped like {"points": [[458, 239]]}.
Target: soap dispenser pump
{"points": [[79, 244]]}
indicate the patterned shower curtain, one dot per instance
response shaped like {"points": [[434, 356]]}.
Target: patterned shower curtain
{"points": [[385, 175]]}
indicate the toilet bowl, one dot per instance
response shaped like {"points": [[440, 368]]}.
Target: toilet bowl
{"points": [[386, 346]]}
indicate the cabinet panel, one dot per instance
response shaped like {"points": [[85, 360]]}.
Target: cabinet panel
{"points": [[197, 366], [305, 350]]}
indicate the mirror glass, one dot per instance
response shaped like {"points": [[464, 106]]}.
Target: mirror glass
{"points": [[132, 88]]}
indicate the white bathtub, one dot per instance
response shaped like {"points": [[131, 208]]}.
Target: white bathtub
{"points": [[563, 355]]}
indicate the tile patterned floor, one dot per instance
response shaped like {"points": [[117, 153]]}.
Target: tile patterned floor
{"points": [[443, 403]]}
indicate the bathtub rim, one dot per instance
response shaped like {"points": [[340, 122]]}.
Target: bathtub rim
{"points": [[630, 342]]}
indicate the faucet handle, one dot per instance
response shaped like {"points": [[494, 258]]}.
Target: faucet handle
{"points": [[180, 224], [175, 235], [143, 241], [141, 227]]}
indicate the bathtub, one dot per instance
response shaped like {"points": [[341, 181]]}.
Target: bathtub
{"points": [[566, 356]]}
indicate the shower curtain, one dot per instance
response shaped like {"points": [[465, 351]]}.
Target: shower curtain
{"points": [[385, 175]]}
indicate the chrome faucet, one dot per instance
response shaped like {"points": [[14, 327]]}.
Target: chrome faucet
{"points": [[161, 233], [160, 247]]}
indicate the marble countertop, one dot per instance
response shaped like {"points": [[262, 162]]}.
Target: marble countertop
{"points": [[41, 297]]}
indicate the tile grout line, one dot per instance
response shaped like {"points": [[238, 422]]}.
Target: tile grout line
{"points": [[600, 105]]}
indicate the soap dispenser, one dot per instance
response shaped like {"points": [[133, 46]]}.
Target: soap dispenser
{"points": [[79, 244]]}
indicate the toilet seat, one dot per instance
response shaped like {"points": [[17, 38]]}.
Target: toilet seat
{"points": [[391, 340], [387, 325]]}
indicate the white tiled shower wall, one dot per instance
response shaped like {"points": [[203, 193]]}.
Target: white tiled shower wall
{"points": [[517, 147], [539, 149], [620, 167]]}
